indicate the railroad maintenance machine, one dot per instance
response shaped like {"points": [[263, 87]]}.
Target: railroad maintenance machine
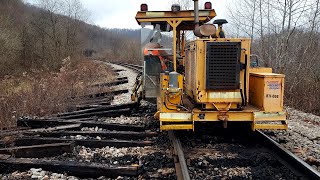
{"points": [[209, 79]]}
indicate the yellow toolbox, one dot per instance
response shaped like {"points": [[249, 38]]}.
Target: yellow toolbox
{"points": [[266, 91]]}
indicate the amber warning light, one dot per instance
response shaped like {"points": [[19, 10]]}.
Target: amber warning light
{"points": [[208, 5], [144, 7]]}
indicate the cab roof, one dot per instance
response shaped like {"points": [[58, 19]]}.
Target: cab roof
{"points": [[186, 16]]}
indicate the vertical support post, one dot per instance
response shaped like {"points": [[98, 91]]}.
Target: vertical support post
{"points": [[174, 24], [179, 41], [175, 46], [182, 43], [142, 54]]}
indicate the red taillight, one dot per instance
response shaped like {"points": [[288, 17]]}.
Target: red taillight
{"points": [[208, 5], [144, 7]]}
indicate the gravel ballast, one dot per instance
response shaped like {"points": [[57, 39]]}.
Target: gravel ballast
{"points": [[208, 156], [131, 75], [221, 156], [302, 137]]}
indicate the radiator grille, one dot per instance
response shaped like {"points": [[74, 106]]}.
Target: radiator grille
{"points": [[223, 65]]}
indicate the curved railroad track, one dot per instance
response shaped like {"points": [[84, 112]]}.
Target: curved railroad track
{"points": [[98, 138]]}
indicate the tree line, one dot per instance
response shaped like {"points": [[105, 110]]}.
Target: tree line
{"points": [[285, 36], [39, 37]]}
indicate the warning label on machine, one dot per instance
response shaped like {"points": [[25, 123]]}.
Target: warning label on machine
{"points": [[273, 84]]}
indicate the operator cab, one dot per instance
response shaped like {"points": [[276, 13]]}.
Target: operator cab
{"points": [[161, 52]]}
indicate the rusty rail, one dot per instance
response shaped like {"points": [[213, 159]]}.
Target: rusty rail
{"points": [[294, 163], [180, 162]]}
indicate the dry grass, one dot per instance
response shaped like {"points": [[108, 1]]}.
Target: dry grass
{"points": [[46, 93]]}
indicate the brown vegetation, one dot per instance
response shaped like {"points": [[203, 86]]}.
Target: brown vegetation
{"points": [[35, 39], [45, 93]]}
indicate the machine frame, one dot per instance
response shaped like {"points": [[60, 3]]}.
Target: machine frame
{"points": [[173, 116]]}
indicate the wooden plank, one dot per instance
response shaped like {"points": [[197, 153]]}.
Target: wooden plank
{"points": [[2, 144], [112, 126], [82, 170], [86, 122], [114, 83], [98, 100], [38, 151], [90, 106], [107, 134], [102, 94], [99, 109], [56, 128], [39, 123], [108, 113], [79, 120], [94, 101], [92, 143], [121, 78], [92, 97], [118, 70]]}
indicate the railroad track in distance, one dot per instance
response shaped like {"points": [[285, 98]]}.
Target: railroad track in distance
{"points": [[134, 67]]}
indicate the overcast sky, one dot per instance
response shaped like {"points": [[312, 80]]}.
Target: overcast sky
{"points": [[121, 13]]}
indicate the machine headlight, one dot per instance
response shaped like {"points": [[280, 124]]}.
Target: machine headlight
{"points": [[175, 8]]}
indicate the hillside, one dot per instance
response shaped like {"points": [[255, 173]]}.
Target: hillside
{"points": [[36, 38], [42, 57]]}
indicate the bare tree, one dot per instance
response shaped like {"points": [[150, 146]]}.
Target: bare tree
{"points": [[184, 4], [285, 35]]}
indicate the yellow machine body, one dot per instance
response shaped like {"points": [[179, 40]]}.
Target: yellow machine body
{"points": [[217, 83], [195, 72]]}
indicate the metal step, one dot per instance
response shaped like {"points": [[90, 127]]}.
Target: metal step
{"points": [[176, 127]]}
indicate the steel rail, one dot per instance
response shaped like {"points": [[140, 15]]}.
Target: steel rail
{"points": [[136, 68], [132, 66], [180, 162], [294, 163]]}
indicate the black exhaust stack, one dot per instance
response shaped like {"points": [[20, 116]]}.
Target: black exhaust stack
{"points": [[205, 30], [196, 31]]}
